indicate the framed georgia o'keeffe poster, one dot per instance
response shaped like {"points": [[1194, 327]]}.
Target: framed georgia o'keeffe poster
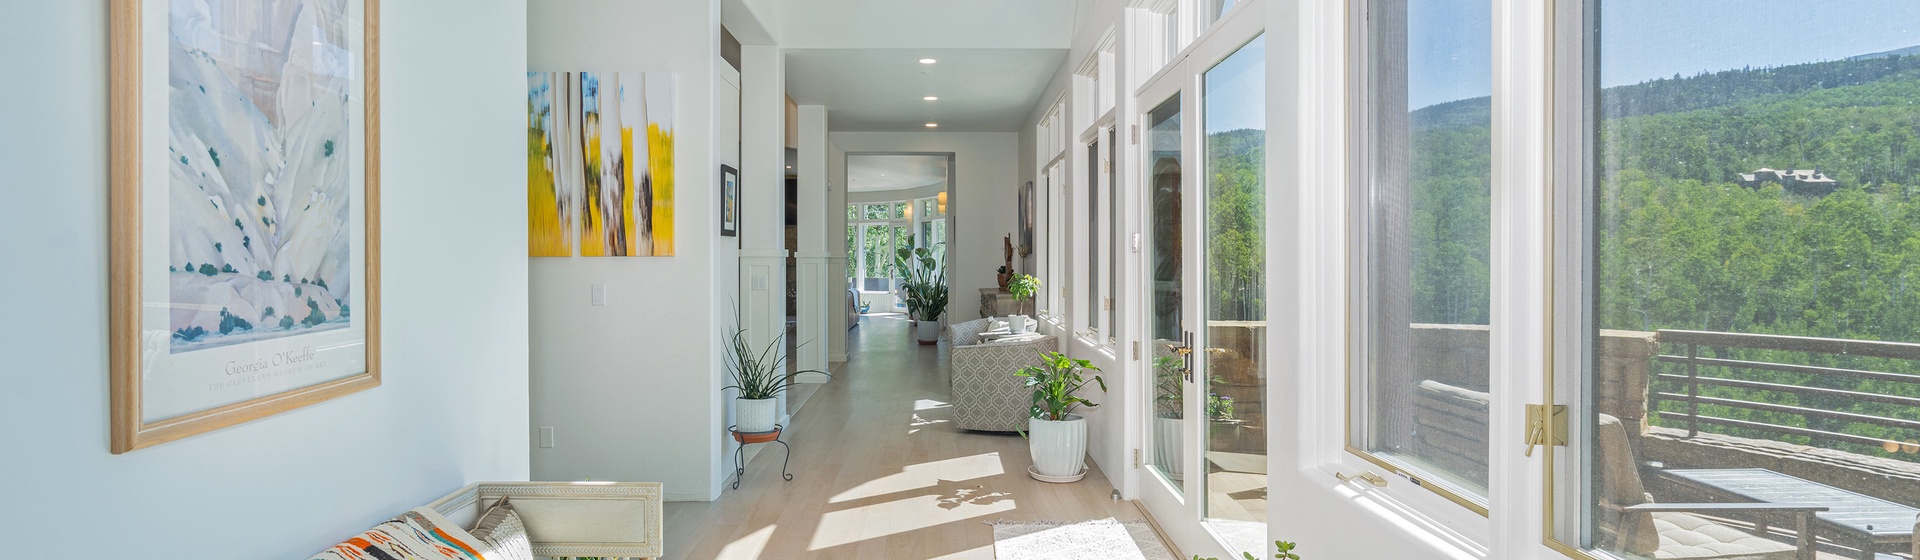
{"points": [[245, 211]]}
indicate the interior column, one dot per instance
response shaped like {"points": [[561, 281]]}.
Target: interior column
{"points": [[763, 253], [816, 302]]}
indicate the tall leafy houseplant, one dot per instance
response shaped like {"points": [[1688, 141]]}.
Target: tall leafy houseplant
{"points": [[927, 293], [1057, 438], [760, 374]]}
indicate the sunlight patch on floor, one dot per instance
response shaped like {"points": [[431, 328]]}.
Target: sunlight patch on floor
{"points": [[925, 475], [748, 547], [929, 404], [853, 525], [971, 553]]}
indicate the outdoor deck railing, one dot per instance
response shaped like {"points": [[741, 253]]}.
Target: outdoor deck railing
{"points": [[1707, 359]]}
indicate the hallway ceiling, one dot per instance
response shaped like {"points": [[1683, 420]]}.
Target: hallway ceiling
{"points": [[861, 60], [980, 90], [869, 173]]}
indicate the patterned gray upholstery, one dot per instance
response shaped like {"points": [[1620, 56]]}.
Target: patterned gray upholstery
{"points": [[986, 394]]}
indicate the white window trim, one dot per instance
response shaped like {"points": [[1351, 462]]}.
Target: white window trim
{"points": [[1514, 526]]}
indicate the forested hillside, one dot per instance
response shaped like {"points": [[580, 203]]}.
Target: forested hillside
{"points": [[1682, 245]]}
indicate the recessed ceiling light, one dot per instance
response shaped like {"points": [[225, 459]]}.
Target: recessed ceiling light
{"points": [[931, 98], [933, 125], [927, 61], [789, 167]]}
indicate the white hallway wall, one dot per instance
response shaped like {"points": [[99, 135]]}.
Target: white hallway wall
{"points": [[632, 388], [453, 406], [982, 203]]}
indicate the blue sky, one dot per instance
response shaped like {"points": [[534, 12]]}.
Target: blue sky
{"points": [[1449, 50], [1236, 88], [1449, 42], [1647, 39]]}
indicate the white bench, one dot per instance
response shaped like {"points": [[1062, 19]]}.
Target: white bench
{"points": [[571, 519]]}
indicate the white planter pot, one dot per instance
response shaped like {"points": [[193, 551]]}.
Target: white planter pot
{"points": [[1059, 447], [754, 415], [1167, 434], [1017, 324], [929, 332]]}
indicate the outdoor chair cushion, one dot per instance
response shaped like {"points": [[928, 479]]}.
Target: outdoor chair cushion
{"points": [[1686, 536]]}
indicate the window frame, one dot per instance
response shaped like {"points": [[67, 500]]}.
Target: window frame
{"points": [[1360, 189]]}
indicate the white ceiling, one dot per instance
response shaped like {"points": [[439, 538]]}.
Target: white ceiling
{"points": [[980, 90], [868, 173], [932, 24], [860, 58]]}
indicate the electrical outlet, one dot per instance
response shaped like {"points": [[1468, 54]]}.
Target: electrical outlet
{"points": [[598, 295], [546, 437]]}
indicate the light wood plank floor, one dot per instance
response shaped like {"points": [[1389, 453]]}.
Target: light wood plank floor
{"points": [[880, 473]]}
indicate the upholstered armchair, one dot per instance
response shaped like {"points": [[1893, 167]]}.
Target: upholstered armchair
{"points": [[987, 396]]}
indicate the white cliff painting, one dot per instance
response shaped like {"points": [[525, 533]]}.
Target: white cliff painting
{"points": [[260, 170]]}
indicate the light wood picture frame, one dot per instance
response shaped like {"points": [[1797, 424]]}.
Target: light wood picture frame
{"points": [[206, 325]]}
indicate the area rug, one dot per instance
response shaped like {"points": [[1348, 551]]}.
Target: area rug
{"points": [[1100, 539]]}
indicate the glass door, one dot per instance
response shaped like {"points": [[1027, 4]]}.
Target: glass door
{"points": [[1171, 433], [1203, 159]]}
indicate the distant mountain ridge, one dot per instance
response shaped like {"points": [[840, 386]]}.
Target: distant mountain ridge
{"points": [[1908, 51], [1707, 89]]}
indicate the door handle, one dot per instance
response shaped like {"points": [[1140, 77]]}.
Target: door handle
{"points": [[1185, 351]]}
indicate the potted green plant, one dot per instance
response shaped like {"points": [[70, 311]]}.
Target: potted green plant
{"points": [[1168, 412], [760, 376], [1223, 427], [1285, 553], [1023, 286], [926, 289], [1056, 437]]}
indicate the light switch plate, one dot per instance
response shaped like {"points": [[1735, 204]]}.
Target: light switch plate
{"points": [[546, 437], [759, 282], [599, 295]]}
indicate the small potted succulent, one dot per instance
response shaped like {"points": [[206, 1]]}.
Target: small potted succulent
{"points": [[1023, 286], [1056, 437]]}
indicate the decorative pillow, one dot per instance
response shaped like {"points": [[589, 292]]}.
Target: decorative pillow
{"points": [[504, 535], [420, 534]]}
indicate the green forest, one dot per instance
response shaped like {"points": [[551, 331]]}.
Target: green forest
{"points": [[1682, 244]]}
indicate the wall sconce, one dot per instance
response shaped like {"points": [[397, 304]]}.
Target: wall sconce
{"points": [[943, 202]]}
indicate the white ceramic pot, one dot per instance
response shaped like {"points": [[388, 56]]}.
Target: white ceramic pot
{"points": [[754, 415], [929, 332], [1059, 447], [1166, 446], [1017, 324]]}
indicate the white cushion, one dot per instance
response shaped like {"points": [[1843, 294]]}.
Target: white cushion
{"points": [[1689, 537]]}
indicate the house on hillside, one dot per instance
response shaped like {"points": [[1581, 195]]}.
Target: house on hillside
{"points": [[1809, 182]]}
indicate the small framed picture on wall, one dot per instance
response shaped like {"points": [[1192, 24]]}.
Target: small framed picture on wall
{"points": [[729, 201]]}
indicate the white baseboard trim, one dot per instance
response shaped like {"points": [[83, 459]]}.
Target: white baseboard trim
{"points": [[837, 358]]}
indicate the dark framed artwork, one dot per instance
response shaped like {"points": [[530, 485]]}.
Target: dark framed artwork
{"points": [[245, 195], [729, 201]]}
